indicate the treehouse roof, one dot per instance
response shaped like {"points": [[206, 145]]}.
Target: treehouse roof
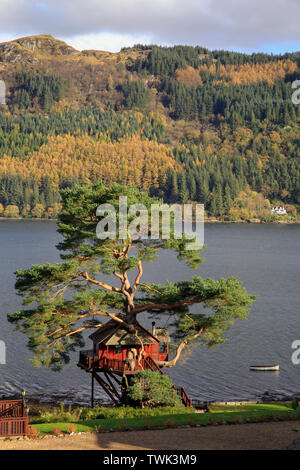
{"points": [[162, 334], [115, 334]]}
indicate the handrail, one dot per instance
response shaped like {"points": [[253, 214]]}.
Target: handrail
{"points": [[153, 365], [19, 400], [185, 398], [12, 408]]}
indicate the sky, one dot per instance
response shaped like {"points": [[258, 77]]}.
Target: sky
{"points": [[270, 26]]}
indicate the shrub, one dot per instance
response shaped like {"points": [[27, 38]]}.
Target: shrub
{"points": [[57, 431], [33, 433], [152, 389], [58, 415], [71, 428], [11, 211]]}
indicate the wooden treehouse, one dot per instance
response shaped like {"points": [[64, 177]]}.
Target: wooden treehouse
{"points": [[120, 352]]}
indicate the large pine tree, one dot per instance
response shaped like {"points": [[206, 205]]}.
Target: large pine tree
{"points": [[63, 300]]}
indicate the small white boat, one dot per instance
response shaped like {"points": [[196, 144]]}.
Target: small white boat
{"points": [[273, 367]]}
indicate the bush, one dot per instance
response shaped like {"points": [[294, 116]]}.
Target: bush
{"points": [[57, 431], [71, 428], [11, 211], [33, 433], [152, 389], [58, 415]]}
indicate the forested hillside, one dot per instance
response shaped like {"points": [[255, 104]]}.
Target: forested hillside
{"points": [[184, 123]]}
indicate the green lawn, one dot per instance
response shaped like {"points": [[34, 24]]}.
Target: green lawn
{"points": [[251, 407], [218, 414]]}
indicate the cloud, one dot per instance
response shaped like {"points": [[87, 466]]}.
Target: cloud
{"points": [[228, 24], [106, 41]]}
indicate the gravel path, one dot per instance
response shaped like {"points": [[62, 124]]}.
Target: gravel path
{"points": [[231, 437]]}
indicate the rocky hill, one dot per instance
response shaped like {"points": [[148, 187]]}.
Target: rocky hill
{"points": [[30, 49]]}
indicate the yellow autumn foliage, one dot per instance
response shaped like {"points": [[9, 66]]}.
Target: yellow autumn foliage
{"points": [[239, 74], [135, 161], [250, 205]]}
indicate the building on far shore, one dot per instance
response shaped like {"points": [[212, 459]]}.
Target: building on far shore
{"points": [[279, 210]]}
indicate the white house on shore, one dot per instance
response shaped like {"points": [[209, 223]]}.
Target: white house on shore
{"points": [[279, 210]]}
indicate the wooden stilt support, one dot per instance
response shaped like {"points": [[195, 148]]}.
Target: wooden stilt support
{"points": [[92, 391], [107, 388], [113, 388], [115, 377]]}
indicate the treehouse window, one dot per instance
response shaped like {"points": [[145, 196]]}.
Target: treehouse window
{"points": [[118, 350], [163, 347]]}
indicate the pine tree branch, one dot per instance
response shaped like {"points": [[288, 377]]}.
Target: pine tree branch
{"points": [[73, 332], [149, 288], [85, 275], [179, 350], [164, 306], [79, 317], [118, 275], [138, 277]]}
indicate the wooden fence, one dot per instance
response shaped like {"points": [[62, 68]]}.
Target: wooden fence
{"points": [[13, 418]]}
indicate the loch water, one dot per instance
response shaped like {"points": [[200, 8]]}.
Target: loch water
{"points": [[264, 257]]}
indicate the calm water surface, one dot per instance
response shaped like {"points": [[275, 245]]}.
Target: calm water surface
{"points": [[264, 257]]}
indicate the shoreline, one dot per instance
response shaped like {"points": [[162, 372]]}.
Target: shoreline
{"points": [[48, 403], [253, 222], [39, 219], [206, 221]]}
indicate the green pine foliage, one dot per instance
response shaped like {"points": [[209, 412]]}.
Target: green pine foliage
{"points": [[21, 134], [237, 105], [136, 94], [46, 88], [165, 60]]}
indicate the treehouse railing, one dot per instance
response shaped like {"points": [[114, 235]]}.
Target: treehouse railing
{"points": [[184, 396], [153, 365], [87, 359], [90, 362]]}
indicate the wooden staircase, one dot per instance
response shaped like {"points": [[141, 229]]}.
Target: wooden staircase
{"points": [[180, 390]]}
